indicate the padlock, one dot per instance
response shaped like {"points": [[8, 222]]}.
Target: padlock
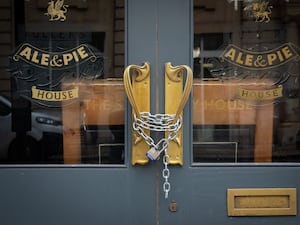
{"points": [[153, 154]]}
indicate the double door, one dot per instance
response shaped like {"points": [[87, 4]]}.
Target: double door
{"points": [[226, 174]]}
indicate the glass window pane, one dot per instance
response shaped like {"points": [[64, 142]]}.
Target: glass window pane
{"points": [[62, 95], [246, 81]]}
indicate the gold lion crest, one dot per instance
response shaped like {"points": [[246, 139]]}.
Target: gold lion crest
{"points": [[260, 11], [57, 10]]}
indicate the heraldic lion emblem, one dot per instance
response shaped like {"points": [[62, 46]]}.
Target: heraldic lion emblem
{"points": [[57, 10], [260, 11]]}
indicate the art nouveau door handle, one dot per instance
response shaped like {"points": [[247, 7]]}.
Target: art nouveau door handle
{"points": [[138, 92], [175, 99]]}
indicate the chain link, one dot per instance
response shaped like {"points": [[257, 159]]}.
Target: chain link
{"points": [[145, 122], [159, 123], [166, 173]]}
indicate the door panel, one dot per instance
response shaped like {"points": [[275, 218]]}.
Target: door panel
{"points": [[64, 196], [207, 199]]}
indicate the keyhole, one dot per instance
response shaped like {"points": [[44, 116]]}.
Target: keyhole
{"points": [[173, 206]]}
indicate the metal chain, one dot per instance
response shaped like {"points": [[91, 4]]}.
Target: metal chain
{"points": [[166, 173], [145, 122], [159, 123]]}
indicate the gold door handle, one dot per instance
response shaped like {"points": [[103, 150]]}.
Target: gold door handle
{"points": [[175, 99], [138, 93]]}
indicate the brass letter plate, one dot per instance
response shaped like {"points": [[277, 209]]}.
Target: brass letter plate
{"points": [[262, 202]]}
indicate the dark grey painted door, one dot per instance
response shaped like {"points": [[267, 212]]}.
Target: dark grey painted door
{"points": [[198, 191], [156, 35]]}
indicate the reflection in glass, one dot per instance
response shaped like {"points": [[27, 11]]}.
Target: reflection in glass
{"points": [[58, 100], [246, 76]]}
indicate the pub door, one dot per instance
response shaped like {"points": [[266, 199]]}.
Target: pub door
{"points": [[231, 169]]}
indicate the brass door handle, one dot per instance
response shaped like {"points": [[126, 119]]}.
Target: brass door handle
{"points": [[175, 99], [138, 93], [176, 96]]}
